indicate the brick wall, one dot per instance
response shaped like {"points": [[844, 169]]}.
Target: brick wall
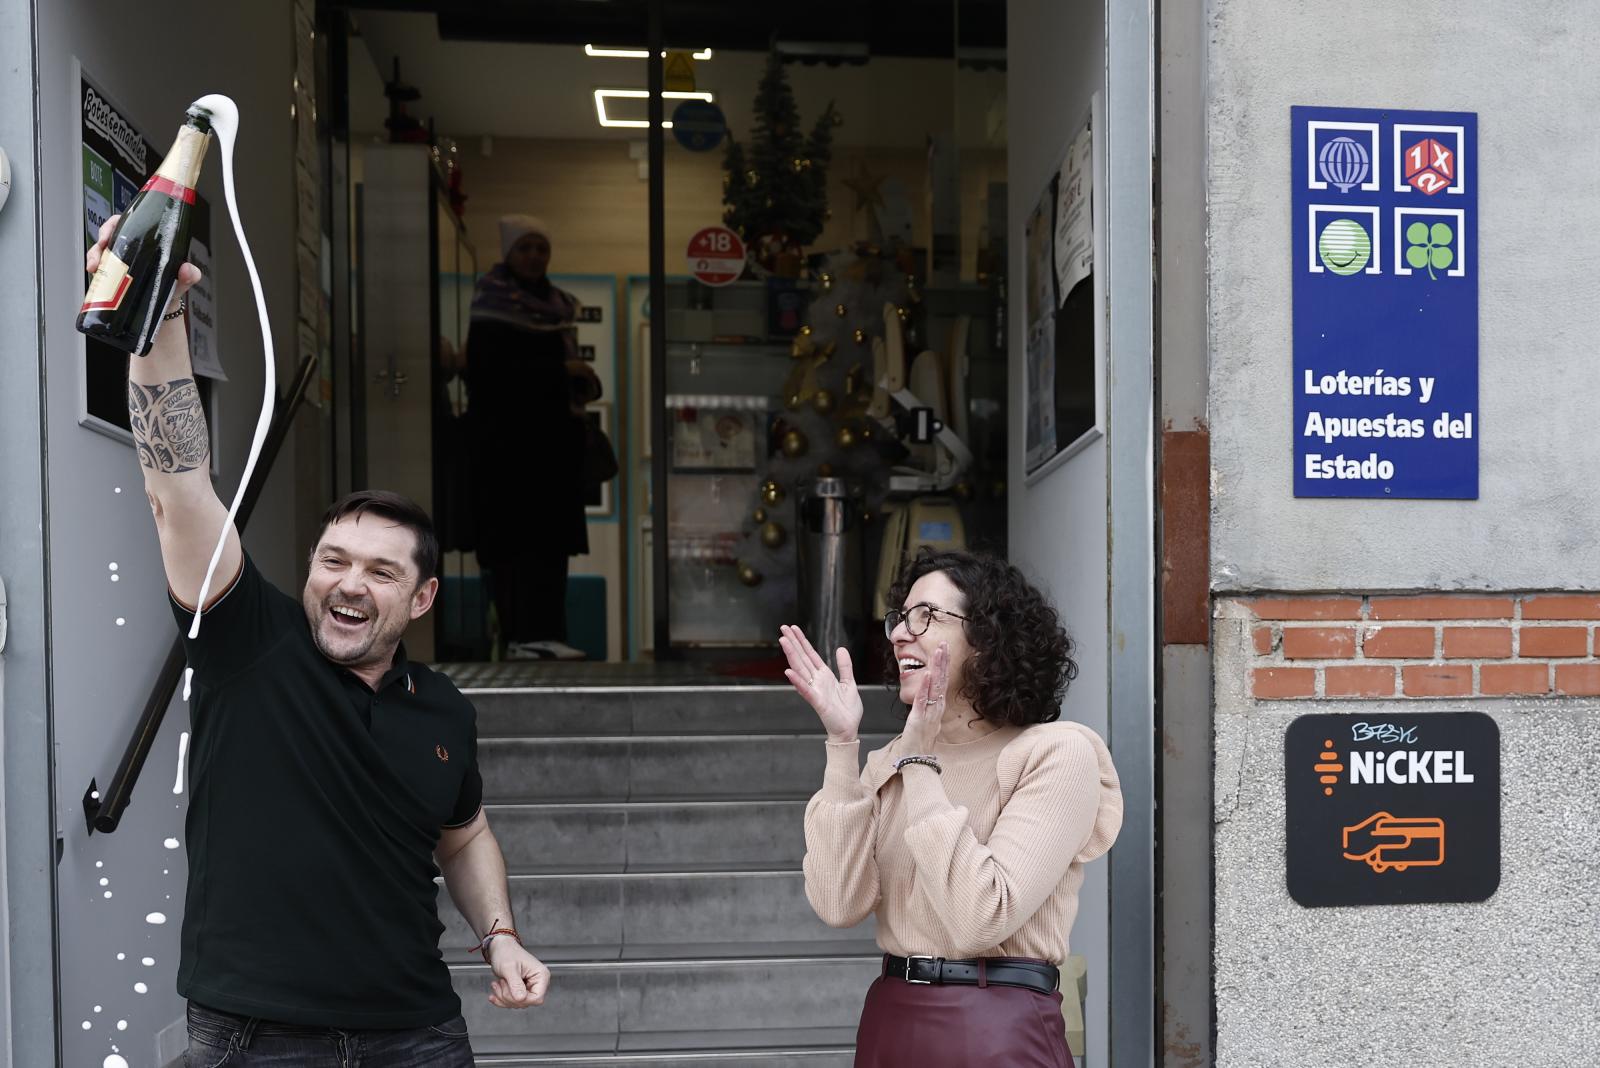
{"points": [[1425, 645]]}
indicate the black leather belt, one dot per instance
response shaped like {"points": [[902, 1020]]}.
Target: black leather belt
{"points": [[976, 971]]}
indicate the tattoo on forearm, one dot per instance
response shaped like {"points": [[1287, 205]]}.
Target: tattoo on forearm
{"points": [[169, 426]]}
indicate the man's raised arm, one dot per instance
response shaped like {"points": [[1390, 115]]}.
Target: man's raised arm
{"points": [[174, 447]]}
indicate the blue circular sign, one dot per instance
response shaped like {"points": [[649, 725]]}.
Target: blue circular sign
{"points": [[698, 125]]}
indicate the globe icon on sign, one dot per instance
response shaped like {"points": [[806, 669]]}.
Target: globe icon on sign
{"points": [[1344, 246], [1343, 163]]}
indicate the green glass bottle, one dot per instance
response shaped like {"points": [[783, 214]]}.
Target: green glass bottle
{"points": [[130, 290]]}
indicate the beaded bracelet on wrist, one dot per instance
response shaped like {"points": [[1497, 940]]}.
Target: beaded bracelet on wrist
{"points": [[927, 761]]}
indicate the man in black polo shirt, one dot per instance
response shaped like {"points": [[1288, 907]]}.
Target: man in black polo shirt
{"points": [[330, 778]]}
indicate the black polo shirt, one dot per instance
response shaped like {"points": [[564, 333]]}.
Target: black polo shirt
{"points": [[315, 805]]}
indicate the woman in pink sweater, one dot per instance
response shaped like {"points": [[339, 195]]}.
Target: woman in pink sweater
{"points": [[967, 834]]}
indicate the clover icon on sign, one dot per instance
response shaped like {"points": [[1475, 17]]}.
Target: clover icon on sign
{"points": [[1429, 246]]}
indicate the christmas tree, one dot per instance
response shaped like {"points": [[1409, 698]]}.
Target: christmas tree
{"points": [[776, 192], [834, 421]]}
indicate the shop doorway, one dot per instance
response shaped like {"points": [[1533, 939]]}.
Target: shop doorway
{"points": [[858, 163]]}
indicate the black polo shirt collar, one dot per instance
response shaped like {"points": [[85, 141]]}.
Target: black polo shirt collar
{"points": [[399, 670]]}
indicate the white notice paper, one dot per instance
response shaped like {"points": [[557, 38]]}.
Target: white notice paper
{"points": [[203, 316], [1074, 243]]}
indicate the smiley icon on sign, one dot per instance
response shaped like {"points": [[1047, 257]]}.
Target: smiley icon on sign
{"points": [[1344, 247]]}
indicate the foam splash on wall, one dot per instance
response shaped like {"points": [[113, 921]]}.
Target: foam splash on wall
{"points": [[183, 756]]}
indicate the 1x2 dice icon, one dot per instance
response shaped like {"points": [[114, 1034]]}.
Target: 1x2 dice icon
{"points": [[1430, 166]]}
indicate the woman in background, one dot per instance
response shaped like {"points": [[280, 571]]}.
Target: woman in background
{"points": [[967, 834], [527, 442]]}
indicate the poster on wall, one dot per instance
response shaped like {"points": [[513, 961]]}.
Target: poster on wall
{"points": [[1384, 255], [1061, 338], [117, 161]]}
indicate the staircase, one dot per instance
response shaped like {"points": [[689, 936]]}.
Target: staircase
{"points": [[653, 838]]}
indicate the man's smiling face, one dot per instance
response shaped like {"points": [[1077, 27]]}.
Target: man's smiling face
{"points": [[362, 590]]}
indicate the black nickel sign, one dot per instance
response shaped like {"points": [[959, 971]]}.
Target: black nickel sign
{"points": [[1393, 809]]}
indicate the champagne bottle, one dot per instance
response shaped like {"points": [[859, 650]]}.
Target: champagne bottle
{"points": [[129, 292]]}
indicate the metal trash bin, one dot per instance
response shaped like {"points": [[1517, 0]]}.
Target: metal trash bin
{"points": [[829, 547]]}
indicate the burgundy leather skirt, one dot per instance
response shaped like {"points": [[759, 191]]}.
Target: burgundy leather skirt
{"points": [[905, 1025]]}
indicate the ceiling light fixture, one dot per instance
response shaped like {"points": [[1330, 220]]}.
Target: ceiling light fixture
{"points": [[634, 53], [600, 96]]}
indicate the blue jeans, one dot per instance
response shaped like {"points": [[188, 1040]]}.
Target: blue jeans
{"points": [[218, 1039]]}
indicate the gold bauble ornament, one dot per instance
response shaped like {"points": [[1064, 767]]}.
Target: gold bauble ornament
{"points": [[840, 310], [823, 401], [760, 515], [773, 535], [800, 165], [827, 281], [860, 336], [805, 331], [795, 444], [749, 575], [793, 402], [903, 312], [751, 178], [771, 493], [845, 437], [867, 432]]}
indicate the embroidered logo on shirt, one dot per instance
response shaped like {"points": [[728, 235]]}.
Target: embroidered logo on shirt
{"points": [[442, 753]]}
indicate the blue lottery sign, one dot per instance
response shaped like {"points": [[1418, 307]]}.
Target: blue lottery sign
{"points": [[1385, 264]]}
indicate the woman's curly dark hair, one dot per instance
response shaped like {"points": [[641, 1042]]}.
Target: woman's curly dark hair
{"points": [[1021, 659]]}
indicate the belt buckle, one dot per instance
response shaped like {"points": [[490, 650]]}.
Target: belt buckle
{"points": [[918, 956]]}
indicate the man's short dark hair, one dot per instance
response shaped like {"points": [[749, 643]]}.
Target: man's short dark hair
{"points": [[398, 509]]}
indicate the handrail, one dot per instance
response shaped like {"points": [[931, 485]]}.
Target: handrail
{"points": [[104, 812]]}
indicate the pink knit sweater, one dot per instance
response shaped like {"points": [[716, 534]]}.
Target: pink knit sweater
{"points": [[984, 860]]}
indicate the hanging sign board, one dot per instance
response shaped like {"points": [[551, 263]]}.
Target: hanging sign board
{"points": [[1385, 271], [1392, 809], [716, 256]]}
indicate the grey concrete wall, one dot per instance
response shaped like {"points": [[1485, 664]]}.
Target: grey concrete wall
{"points": [[1513, 979], [151, 68], [1528, 71], [1055, 62]]}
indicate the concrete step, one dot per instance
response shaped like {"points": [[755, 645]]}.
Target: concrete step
{"points": [[755, 1055], [612, 915], [548, 711], [643, 836], [655, 768], [675, 1005]]}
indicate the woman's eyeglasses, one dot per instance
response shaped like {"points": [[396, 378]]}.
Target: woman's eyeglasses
{"points": [[917, 618]]}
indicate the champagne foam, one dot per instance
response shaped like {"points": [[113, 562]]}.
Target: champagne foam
{"points": [[225, 124]]}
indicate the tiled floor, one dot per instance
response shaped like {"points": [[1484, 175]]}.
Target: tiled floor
{"points": [[583, 674]]}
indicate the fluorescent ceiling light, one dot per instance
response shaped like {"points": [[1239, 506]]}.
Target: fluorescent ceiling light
{"points": [[600, 96], [634, 53]]}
